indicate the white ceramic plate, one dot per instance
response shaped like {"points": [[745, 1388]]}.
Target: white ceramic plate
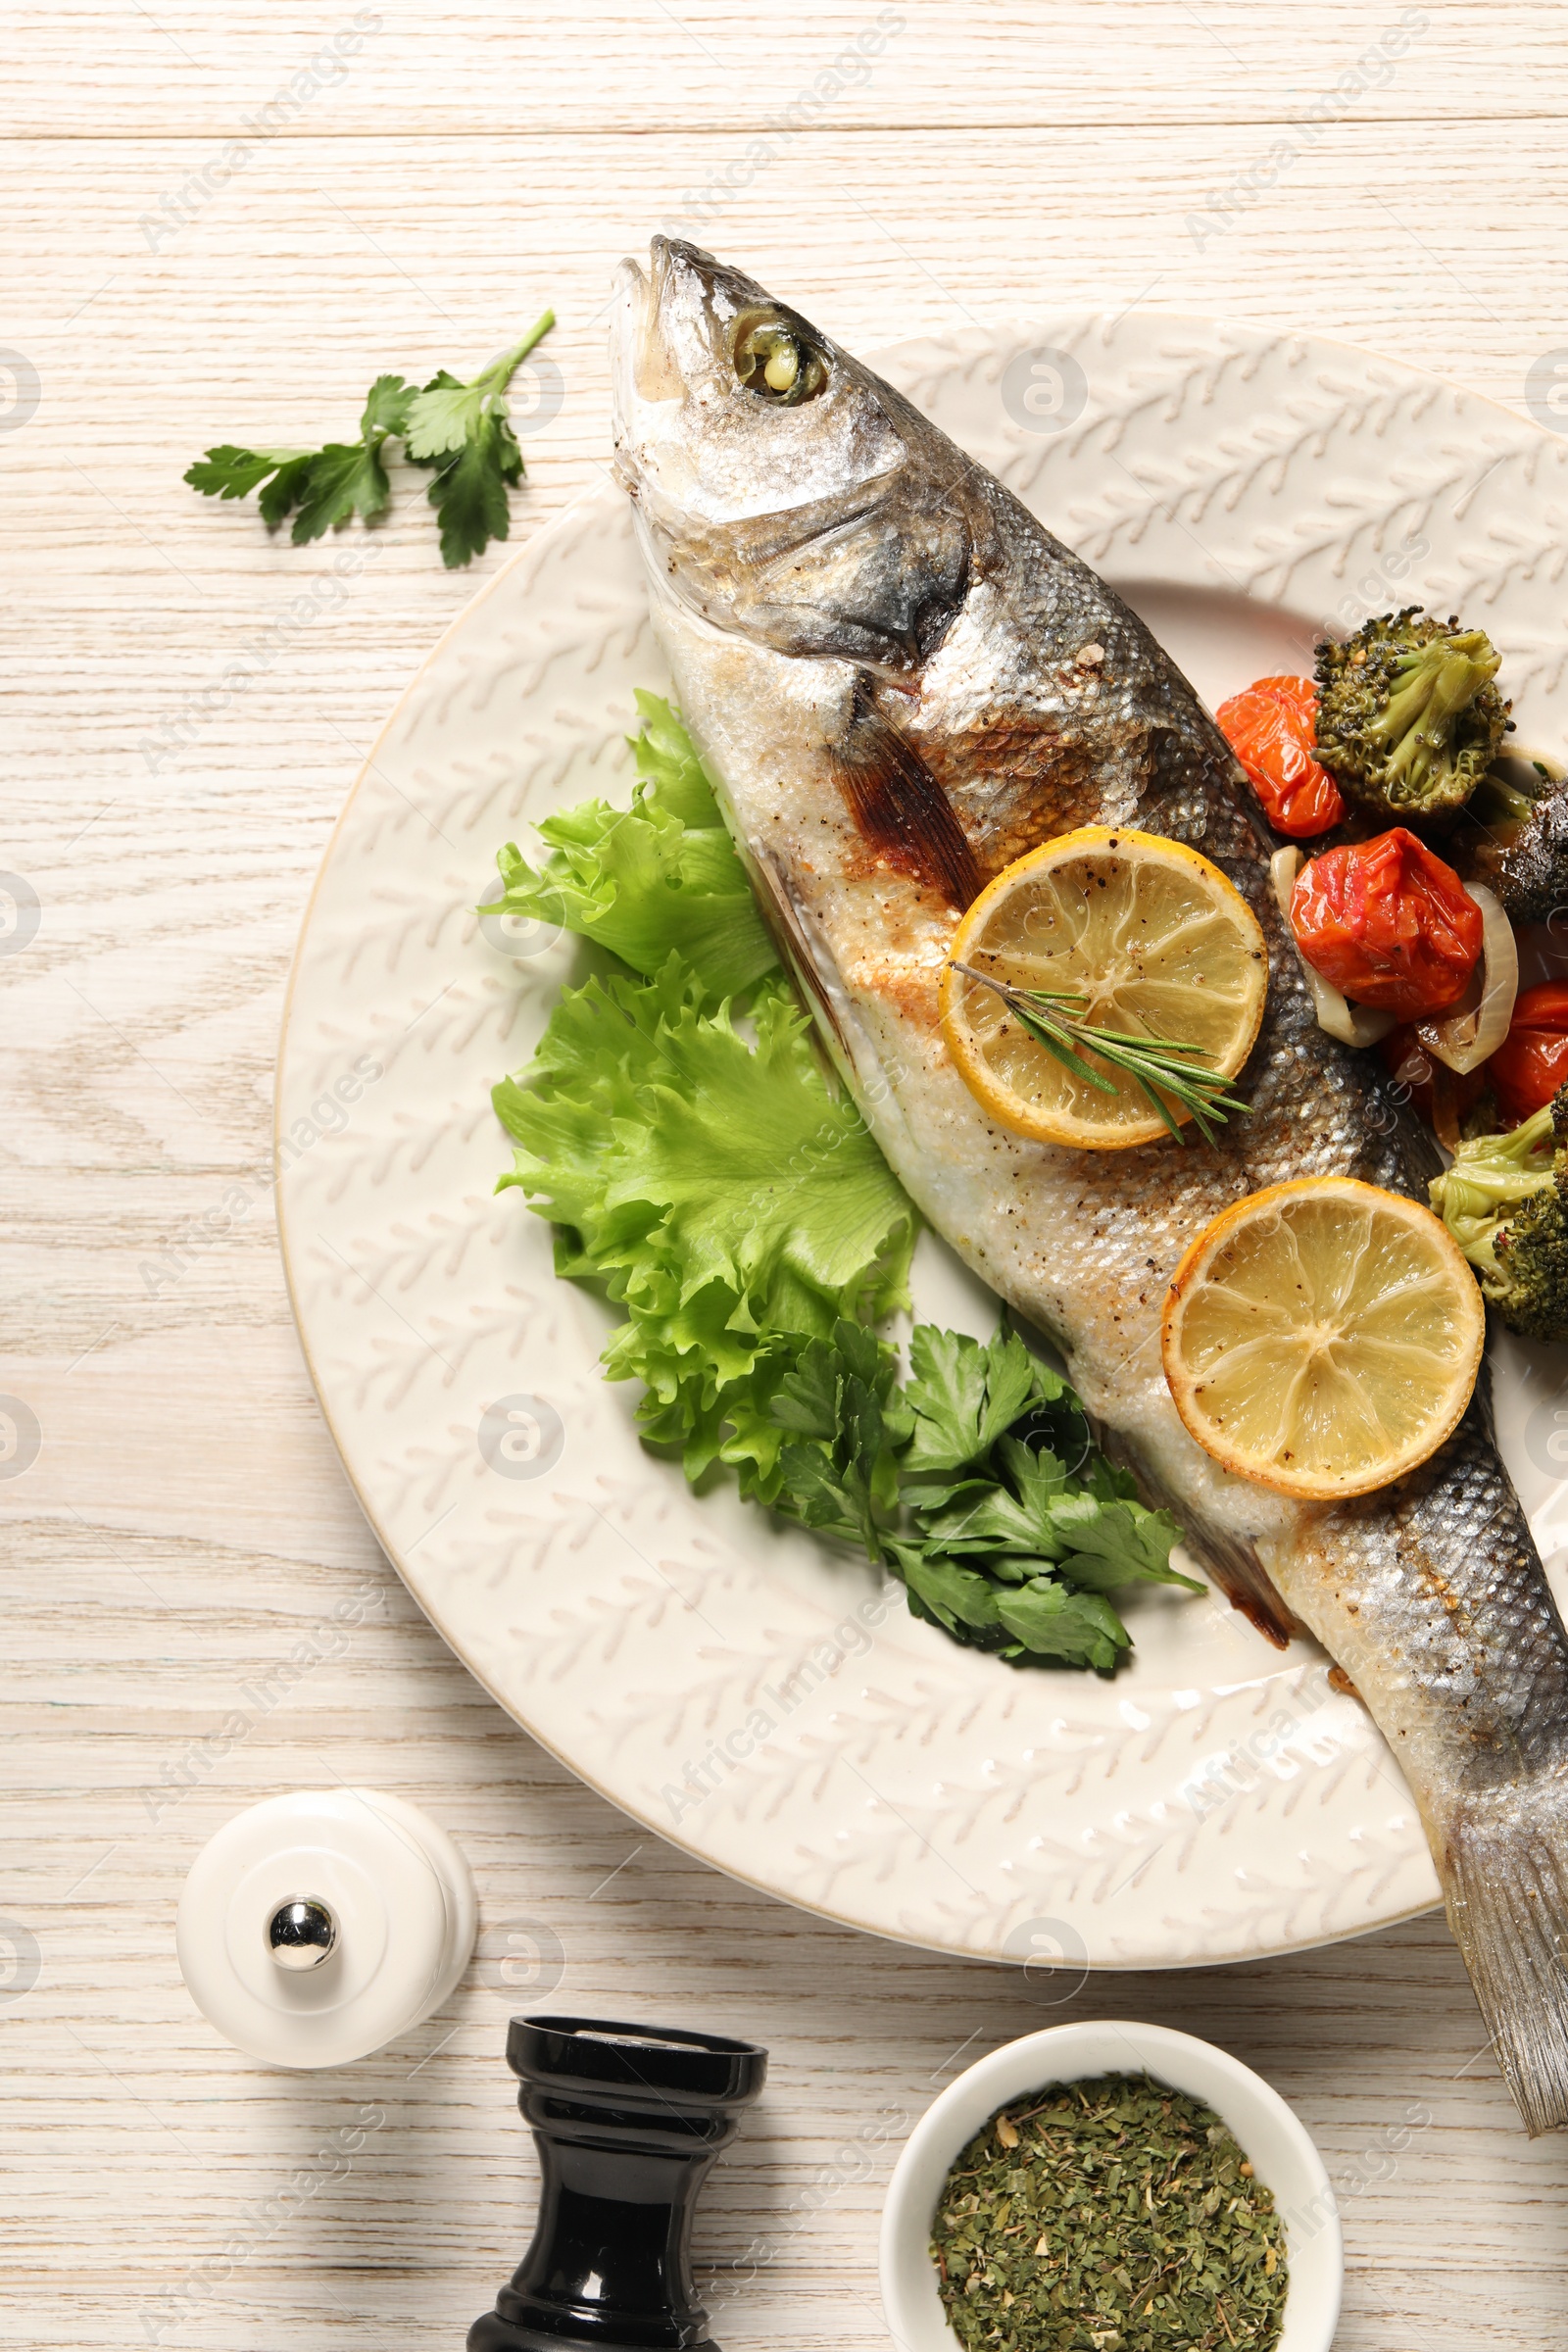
{"points": [[737, 1686]]}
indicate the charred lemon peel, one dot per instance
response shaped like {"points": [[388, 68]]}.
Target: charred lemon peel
{"points": [[1126, 947], [1322, 1338], [1408, 718]]}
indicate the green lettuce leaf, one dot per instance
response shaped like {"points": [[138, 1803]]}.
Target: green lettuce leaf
{"points": [[716, 1189], [661, 878]]}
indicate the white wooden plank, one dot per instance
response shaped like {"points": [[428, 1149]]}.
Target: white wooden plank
{"points": [[317, 71]]}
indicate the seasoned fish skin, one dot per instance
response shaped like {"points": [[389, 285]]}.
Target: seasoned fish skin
{"points": [[901, 682]]}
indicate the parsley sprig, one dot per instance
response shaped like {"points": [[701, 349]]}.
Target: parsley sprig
{"points": [[460, 430], [1157, 1065], [977, 1482]]}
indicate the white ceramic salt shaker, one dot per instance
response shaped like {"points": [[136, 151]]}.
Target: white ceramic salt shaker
{"points": [[319, 1925]]}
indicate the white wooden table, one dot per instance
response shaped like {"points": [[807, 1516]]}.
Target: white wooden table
{"points": [[191, 257]]}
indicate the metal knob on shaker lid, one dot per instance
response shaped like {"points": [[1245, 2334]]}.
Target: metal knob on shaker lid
{"points": [[302, 1933], [318, 1927]]}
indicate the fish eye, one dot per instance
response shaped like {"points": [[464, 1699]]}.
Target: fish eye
{"points": [[772, 360]]}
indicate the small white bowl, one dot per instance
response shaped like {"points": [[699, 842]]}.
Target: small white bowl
{"points": [[1275, 2141]]}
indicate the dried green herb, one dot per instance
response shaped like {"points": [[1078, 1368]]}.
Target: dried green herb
{"points": [[1112, 2215]]}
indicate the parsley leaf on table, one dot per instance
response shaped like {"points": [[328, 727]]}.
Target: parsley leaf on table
{"points": [[326, 485], [464, 430], [228, 471], [460, 428], [471, 491]]}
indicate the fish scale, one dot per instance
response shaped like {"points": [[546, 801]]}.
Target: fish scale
{"points": [[901, 682]]}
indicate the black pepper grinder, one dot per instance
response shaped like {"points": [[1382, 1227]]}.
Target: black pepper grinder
{"points": [[628, 2121]]}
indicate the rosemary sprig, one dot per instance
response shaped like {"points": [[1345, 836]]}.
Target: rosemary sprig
{"points": [[1055, 1018]]}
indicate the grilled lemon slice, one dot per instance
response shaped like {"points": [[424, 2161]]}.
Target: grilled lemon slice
{"points": [[1153, 941], [1322, 1337]]}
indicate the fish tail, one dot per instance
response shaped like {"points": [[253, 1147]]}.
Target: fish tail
{"points": [[1506, 1882]]}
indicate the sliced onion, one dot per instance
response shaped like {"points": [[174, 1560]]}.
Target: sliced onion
{"points": [[1478, 1024], [1352, 1024]]}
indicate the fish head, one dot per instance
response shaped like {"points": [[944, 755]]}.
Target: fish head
{"points": [[730, 404], [782, 489]]}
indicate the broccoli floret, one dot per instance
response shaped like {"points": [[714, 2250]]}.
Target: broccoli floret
{"points": [[1505, 1203], [1408, 715], [1523, 853], [1532, 1253]]}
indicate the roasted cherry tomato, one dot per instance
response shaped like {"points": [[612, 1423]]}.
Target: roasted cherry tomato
{"points": [[1532, 1061], [1272, 727], [1387, 925]]}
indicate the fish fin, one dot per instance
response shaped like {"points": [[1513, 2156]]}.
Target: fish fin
{"points": [[899, 806], [1240, 1576], [1506, 1889], [1232, 1562], [787, 929]]}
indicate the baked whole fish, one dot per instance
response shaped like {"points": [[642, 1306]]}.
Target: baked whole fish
{"points": [[900, 683]]}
